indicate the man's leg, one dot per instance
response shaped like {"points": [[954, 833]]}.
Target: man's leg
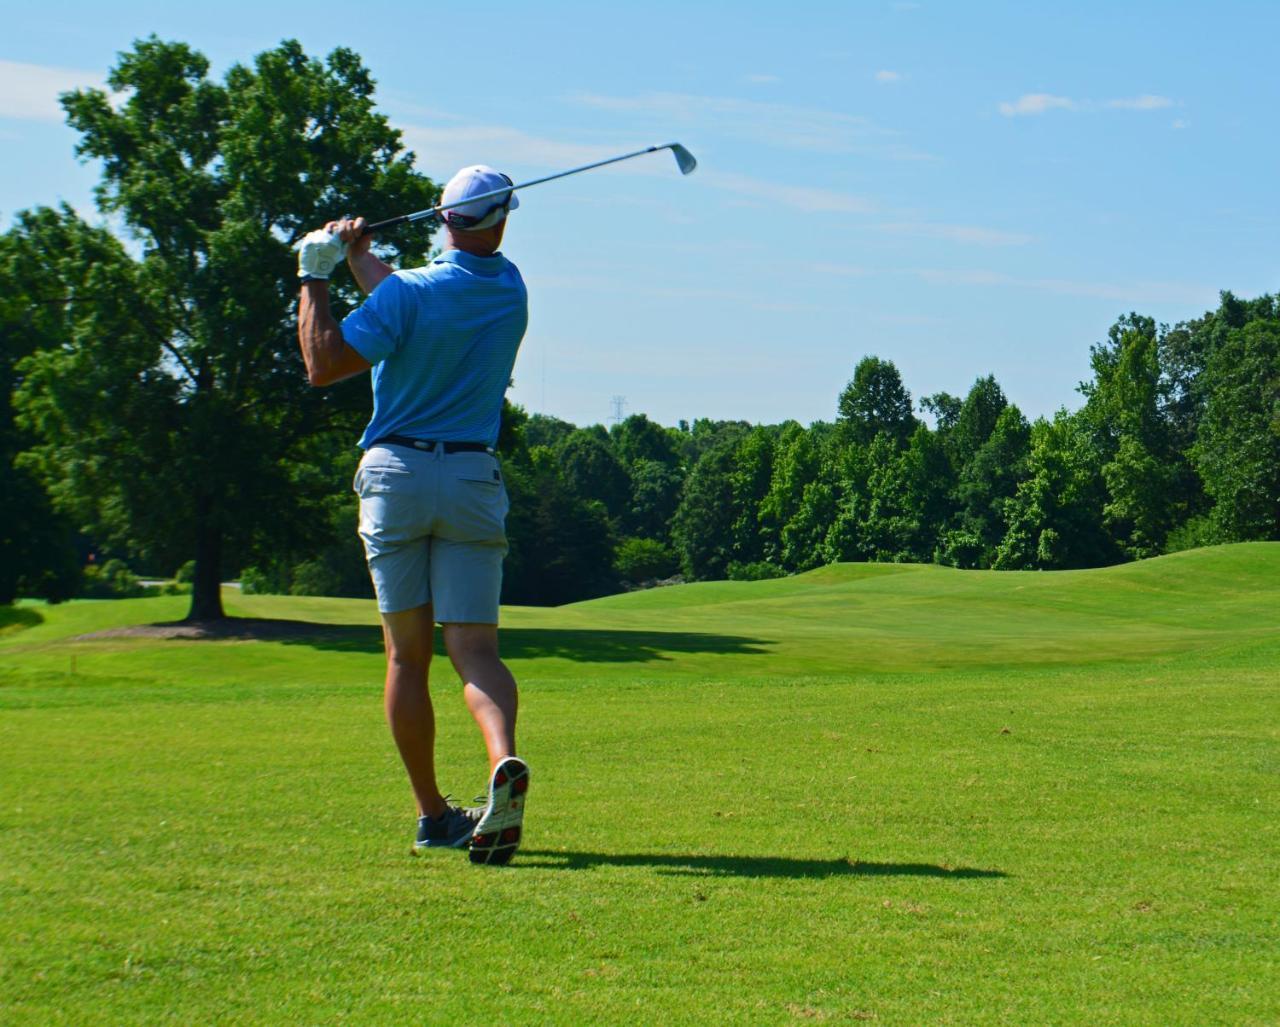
{"points": [[489, 688], [408, 636]]}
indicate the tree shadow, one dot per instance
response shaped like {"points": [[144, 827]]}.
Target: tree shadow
{"points": [[582, 645], [744, 866], [18, 618]]}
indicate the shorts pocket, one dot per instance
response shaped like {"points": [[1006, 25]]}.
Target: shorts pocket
{"points": [[380, 481]]}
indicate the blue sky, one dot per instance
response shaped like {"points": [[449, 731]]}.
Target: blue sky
{"points": [[964, 189]]}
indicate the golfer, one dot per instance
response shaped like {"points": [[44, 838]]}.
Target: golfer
{"points": [[441, 341]]}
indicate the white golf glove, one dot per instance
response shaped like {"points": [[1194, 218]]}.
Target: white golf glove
{"points": [[319, 254]]}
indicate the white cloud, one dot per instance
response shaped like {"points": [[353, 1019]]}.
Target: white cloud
{"points": [[971, 234], [1041, 103], [1036, 103], [442, 150], [886, 77], [30, 91], [809, 199], [1145, 102], [1179, 123], [773, 124]]}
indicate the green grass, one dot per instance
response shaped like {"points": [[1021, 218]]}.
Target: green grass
{"points": [[893, 793]]}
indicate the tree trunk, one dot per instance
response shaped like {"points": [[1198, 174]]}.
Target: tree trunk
{"points": [[206, 588]]}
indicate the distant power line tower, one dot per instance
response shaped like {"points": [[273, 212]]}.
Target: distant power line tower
{"points": [[618, 404]]}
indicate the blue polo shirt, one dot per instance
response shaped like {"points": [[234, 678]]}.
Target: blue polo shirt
{"points": [[442, 340]]}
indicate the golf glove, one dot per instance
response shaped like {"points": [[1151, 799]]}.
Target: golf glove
{"points": [[319, 253]]}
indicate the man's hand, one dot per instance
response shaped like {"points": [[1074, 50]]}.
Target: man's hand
{"points": [[320, 252], [368, 269], [351, 232]]}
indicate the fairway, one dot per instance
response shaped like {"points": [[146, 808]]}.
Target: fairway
{"points": [[889, 793]]}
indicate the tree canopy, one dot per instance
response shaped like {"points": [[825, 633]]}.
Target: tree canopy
{"points": [[175, 419]]}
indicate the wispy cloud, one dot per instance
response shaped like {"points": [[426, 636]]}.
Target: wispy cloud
{"points": [[762, 80], [886, 77], [30, 91], [1179, 123], [1042, 103], [1122, 292], [1145, 102], [970, 234], [1036, 103], [805, 198], [443, 149], [840, 270], [773, 124]]}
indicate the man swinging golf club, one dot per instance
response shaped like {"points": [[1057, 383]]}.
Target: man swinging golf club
{"points": [[441, 341]]}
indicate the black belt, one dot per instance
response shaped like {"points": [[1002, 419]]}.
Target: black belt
{"points": [[429, 445]]}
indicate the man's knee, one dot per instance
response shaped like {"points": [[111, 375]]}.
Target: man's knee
{"points": [[467, 643], [408, 636]]}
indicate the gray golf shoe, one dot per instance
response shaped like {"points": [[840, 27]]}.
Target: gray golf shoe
{"points": [[451, 831]]}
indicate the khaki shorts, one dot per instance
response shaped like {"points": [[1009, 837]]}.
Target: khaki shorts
{"points": [[433, 526]]}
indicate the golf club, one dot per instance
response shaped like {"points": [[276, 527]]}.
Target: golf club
{"points": [[684, 160]]}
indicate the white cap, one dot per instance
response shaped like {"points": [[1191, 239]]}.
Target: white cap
{"points": [[477, 180]]}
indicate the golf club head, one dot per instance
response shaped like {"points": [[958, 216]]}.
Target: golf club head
{"points": [[684, 159]]}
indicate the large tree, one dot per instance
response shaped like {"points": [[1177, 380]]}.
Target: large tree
{"points": [[42, 269], [195, 432], [1238, 451], [876, 401]]}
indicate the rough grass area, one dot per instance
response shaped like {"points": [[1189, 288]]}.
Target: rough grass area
{"points": [[890, 793]]}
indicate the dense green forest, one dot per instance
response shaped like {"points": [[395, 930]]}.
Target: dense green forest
{"points": [[154, 413], [1176, 445]]}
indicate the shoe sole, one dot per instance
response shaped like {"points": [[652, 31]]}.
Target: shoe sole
{"points": [[497, 834]]}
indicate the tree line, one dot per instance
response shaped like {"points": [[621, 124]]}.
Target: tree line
{"points": [[1176, 445], [153, 407]]}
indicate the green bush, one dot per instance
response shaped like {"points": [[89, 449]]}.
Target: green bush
{"points": [[185, 574], [272, 581], [758, 571], [111, 580], [645, 559], [1194, 534], [315, 578]]}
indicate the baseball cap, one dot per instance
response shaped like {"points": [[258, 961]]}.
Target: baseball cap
{"points": [[476, 180]]}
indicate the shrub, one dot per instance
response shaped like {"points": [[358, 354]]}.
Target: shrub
{"points": [[645, 559], [272, 581], [111, 580], [1194, 534], [761, 570], [185, 574]]}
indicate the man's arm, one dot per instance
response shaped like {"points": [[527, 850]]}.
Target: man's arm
{"points": [[368, 269], [327, 355]]}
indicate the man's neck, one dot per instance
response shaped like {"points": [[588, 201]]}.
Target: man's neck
{"points": [[477, 247]]}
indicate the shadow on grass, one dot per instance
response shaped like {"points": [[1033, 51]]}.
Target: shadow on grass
{"points": [[744, 866], [17, 618], [584, 645]]}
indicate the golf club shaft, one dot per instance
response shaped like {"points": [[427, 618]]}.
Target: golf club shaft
{"points": [[435, 211]]}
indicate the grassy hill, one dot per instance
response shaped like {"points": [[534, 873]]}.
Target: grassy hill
{"points": [[887, 792]]}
